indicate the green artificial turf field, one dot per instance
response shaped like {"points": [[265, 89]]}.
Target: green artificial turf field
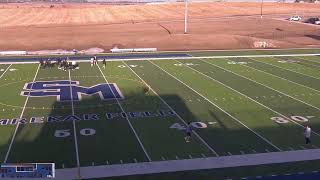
{"points": [[236, 106]]}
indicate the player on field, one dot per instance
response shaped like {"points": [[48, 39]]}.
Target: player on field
{"points": [[307, 134], [95, 60], [188, 132], [92, 61], [104, 62]]}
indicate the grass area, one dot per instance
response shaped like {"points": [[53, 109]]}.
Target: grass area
{"points": [[236, 106]]}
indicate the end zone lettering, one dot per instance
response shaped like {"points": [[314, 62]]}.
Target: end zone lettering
{"points": [[86, 117]]}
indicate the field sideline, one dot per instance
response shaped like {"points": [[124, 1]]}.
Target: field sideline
{"points": [[244, 105]]}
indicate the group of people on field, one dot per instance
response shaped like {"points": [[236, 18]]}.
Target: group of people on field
{"points": [[94, 61], [67, 64], [62, 63]]}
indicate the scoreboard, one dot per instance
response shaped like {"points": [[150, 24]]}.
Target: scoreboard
{"points": [[27, 170]]}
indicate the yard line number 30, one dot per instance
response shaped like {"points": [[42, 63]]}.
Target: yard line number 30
{"points": [[282, 120]]}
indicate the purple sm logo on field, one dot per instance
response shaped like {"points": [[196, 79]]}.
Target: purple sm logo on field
{"points": [[65, 90]]}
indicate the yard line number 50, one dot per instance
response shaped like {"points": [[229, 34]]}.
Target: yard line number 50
{"points": [[62, 133]]}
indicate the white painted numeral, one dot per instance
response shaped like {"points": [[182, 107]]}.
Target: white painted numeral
{"points": [[177, 126], [185, 64], [87, 132], [282, 120], [299, 118], [62, 133], [199, 125], [124, 66], [66, 132], [279, 120]]}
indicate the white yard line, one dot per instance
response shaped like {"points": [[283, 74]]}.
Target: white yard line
{"points": [[286, 69], [180, 58], [74, 129], [267, 87], [5, 71], [129, 122], [280, 77], [191, 164], [257, 134], [257, 101], [17, 126], [234, 118], [182, 120]]}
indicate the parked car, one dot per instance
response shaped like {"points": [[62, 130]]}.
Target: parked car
{"points": [[295, 18], [312, 20]]}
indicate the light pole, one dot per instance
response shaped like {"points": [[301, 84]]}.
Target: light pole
{"points": [[186, 17], [261, 9]]}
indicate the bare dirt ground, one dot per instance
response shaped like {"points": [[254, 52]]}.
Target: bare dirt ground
{"points": [[211, 26]]}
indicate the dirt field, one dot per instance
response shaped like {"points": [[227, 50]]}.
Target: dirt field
{"points": [[211, 26]]}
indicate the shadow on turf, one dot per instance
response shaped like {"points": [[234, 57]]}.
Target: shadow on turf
{"points": [[37, 142]]}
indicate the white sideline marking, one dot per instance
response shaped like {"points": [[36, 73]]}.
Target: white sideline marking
{"points": [[5, 71], [180, 58], [285, 69], [23, 109], [257, 134], [179, 117], [281, 77], [259, 102], [132, 128], [74, 129], [190, 164]]}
